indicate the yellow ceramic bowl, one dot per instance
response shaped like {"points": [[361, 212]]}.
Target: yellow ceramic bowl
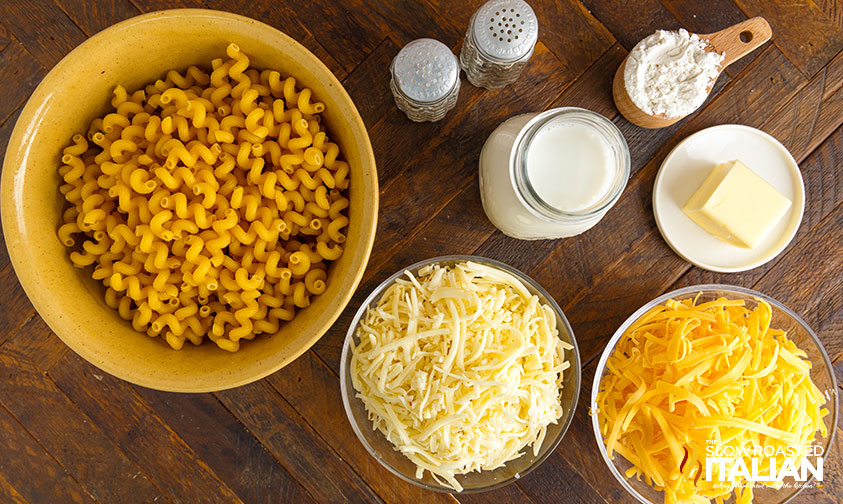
{"points": [[77, 90]]}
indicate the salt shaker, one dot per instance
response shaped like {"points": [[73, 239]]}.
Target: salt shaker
{"points": [[425, 80], [499, 42]]}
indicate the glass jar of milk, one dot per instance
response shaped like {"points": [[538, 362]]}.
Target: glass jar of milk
{"points": [[553, 174]]}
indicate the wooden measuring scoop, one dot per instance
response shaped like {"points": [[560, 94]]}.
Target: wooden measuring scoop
{"points": [[733, 42]]}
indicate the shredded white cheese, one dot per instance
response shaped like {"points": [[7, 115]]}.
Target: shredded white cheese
{"points": [[460, 368]]}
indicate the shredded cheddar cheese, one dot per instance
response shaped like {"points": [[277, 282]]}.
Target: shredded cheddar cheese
{"points": [[460, 368], [688, 381]]}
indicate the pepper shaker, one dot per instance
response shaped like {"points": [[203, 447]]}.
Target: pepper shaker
{"points": [[425, 80], [500, 40]]}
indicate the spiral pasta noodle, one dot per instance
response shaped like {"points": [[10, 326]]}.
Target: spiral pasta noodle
{"points": [[208, 204]]}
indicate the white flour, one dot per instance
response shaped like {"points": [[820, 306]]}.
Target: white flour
{"points": [[670, 73]]}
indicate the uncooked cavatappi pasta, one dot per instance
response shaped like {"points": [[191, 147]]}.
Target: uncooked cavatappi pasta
{"points": [[208, 204]]}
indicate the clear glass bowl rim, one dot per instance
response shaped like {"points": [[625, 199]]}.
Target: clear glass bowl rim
{"points": [[569, 412], [675, 294]]}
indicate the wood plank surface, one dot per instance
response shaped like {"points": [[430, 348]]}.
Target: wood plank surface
{"points": [[300, 449], [22, 73], [23, 457], [44, 29], [810, 47], [833, 9], [8, 492], [629, 22], [235, 454], [4, 37], [71, 433], [76, 442], [144, 437], [92, 17], [6, 127]]}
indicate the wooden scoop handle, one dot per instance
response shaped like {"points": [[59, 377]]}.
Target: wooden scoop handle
{"points": [[738, 40]]}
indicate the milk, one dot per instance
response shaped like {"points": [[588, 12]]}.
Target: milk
{"points": [[553, 174], [569, 166]]}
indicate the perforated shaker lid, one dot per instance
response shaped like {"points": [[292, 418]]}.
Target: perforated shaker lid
{"points": [[505, 30], [425, 70]]}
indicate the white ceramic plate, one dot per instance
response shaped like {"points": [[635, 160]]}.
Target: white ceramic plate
{"points": [[685, 168]]}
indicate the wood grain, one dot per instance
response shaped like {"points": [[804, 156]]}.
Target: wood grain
{"points": [[833, 9], [23, 457], [810, 47], [36, 343], [78, 444], [566, 27], [4, 37], [645, 143], [556, 477], [451, 146], [832, 486], [368, 82], [573, 33], [730, 41], [630, 110], [92, 17], [456, 229], [6, 127], [19, 78], [626, 247], [43, 28], [146, 439], [235, 455], [347, 35], [629, 22], [295, 444], [8, 493], [509, 494], [592, 90], [814, 112], [401, 20], [543, 77], [16, 306], [540, 82], [286, 438]]}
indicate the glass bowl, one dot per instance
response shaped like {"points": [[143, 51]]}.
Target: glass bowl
{"points": [[783, 318], [383, 451]]}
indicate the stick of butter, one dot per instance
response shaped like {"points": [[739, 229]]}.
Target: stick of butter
{"points": [[736, 205]]}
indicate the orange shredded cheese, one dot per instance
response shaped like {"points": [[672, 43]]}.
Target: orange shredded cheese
{"points": [[688, 380]]}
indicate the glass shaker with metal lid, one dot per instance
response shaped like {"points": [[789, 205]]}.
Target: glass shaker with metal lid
{"points": [[425, 80], [500, 40]]}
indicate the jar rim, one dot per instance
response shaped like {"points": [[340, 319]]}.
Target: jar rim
{"points": [[526, 192]]}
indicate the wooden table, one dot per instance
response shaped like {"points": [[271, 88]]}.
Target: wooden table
{"points": [[71, 433]]}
